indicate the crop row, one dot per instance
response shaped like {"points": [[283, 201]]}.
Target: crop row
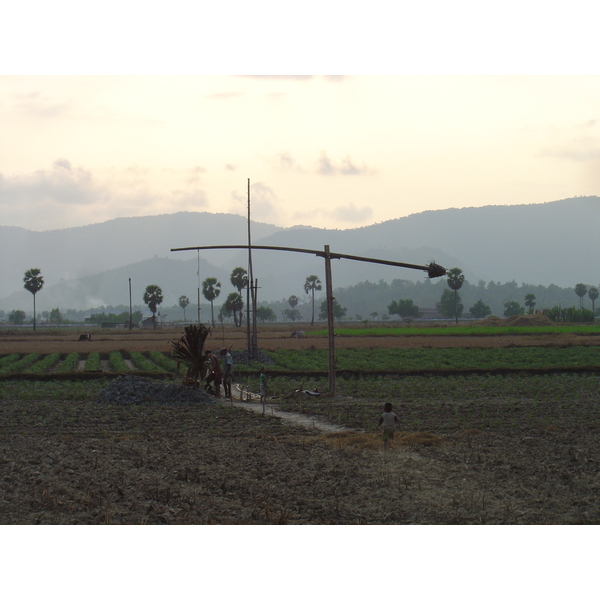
{"points": [[116, 362], [357, 360]]}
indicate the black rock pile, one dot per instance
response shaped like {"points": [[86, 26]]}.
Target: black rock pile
{"points": [[140, 390]]}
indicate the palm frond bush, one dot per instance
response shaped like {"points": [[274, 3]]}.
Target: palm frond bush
{"points": [[189, 349]]}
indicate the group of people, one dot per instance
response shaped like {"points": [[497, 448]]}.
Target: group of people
{"points": [[224, 376], [217, 373]]}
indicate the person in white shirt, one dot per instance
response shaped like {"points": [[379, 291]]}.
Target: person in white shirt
{"points": [[390, 422]]}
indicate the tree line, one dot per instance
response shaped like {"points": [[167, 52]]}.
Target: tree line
{"points": [[448, 297]]}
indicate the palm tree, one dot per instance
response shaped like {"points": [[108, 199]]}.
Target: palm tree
{"points": [[581, 291], [593, 294], [239, 279], [234, 304], [211, 288], [33, 282], [153, 297], [183, 302], [312, 284], [455, 281]]}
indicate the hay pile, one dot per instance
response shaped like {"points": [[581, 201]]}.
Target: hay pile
{"points": [[517, 321]]}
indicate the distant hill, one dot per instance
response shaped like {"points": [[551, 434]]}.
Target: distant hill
{"points": [[556, 242]]}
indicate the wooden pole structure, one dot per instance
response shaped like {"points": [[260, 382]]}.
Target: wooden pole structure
{"points": [[130, 308], [330, 324], [432, 270]]}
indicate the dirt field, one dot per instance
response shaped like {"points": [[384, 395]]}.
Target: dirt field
{"points": [[66, 459]]}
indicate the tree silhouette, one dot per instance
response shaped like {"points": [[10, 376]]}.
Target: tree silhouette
{"points": [[239, 279], [455, 281], [33, 282], [183, 302], [530, 302], [581, 291], [153, 297], [593, 294], [312, 284], [234, 305], [480, 310], [211, 288]]}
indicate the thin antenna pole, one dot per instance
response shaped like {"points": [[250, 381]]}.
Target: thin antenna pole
{"points": [[198, 287], [131, 307]]}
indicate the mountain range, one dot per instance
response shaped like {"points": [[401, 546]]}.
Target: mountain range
{"points": [[85, 267]]}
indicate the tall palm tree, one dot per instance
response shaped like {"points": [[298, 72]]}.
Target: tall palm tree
{"points": [[211, 288], [239, 279], [183, 302], [234, 304], [312, 284], [455, 281], [581, 291], [153, 297], [33, 282], [593, 294]]}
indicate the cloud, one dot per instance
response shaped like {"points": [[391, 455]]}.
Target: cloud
{"points": [[264, 203], [343, 214], [326, 167], [583, 149], [34, 104], [67, 196], [230, 167]]}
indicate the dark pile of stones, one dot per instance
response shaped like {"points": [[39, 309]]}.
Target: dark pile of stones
{"points": [[240, 357], [140, 390]]}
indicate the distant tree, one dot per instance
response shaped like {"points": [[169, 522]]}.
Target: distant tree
{"points": [[183, 302], [593, 294], [455, 281], [338, 311], [33, 282], [581, 291], [530, 302], [404, 308], [153, 297], [312, 284], [480, 310], [17, 317], [290, 314], [211, 288], [513, 309], [234, 305], [55, 316], [239, 279], [264, 313], [374, 315], [450, 305], [293, 301]]}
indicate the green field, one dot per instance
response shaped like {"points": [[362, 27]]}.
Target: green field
{"points": [[356, 360]]}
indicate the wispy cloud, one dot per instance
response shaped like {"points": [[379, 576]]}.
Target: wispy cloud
{"points": [[348, 213], [264, 203], [325, 166], [66, 195]]}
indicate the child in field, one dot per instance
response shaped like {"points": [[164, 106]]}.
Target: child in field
{"points": [[263, 384], [390, 422]]}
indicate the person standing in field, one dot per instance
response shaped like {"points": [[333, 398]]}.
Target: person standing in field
{"points": [[390, 422], [263, 385], [227, 372], [214, 372]]}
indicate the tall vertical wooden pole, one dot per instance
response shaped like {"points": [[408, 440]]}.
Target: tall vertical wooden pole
{"points": [[250, 281], [198, 287], [330, 328], [130, 308]]}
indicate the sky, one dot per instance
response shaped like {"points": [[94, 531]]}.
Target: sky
{"points": [[92, 128], [328, 151]]}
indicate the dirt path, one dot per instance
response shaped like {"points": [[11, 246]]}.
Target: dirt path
{"points": [[291, 418]]}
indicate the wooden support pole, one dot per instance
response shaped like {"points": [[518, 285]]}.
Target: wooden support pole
{"points": [[330, 328]]}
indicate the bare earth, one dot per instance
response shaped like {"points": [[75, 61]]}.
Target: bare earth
{"points": [[72, 460]]}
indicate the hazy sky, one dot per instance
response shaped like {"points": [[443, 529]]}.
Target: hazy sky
{"points": [[331, 151]]}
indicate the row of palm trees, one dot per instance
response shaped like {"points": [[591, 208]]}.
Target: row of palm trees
{"points": [[234, 304]]}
